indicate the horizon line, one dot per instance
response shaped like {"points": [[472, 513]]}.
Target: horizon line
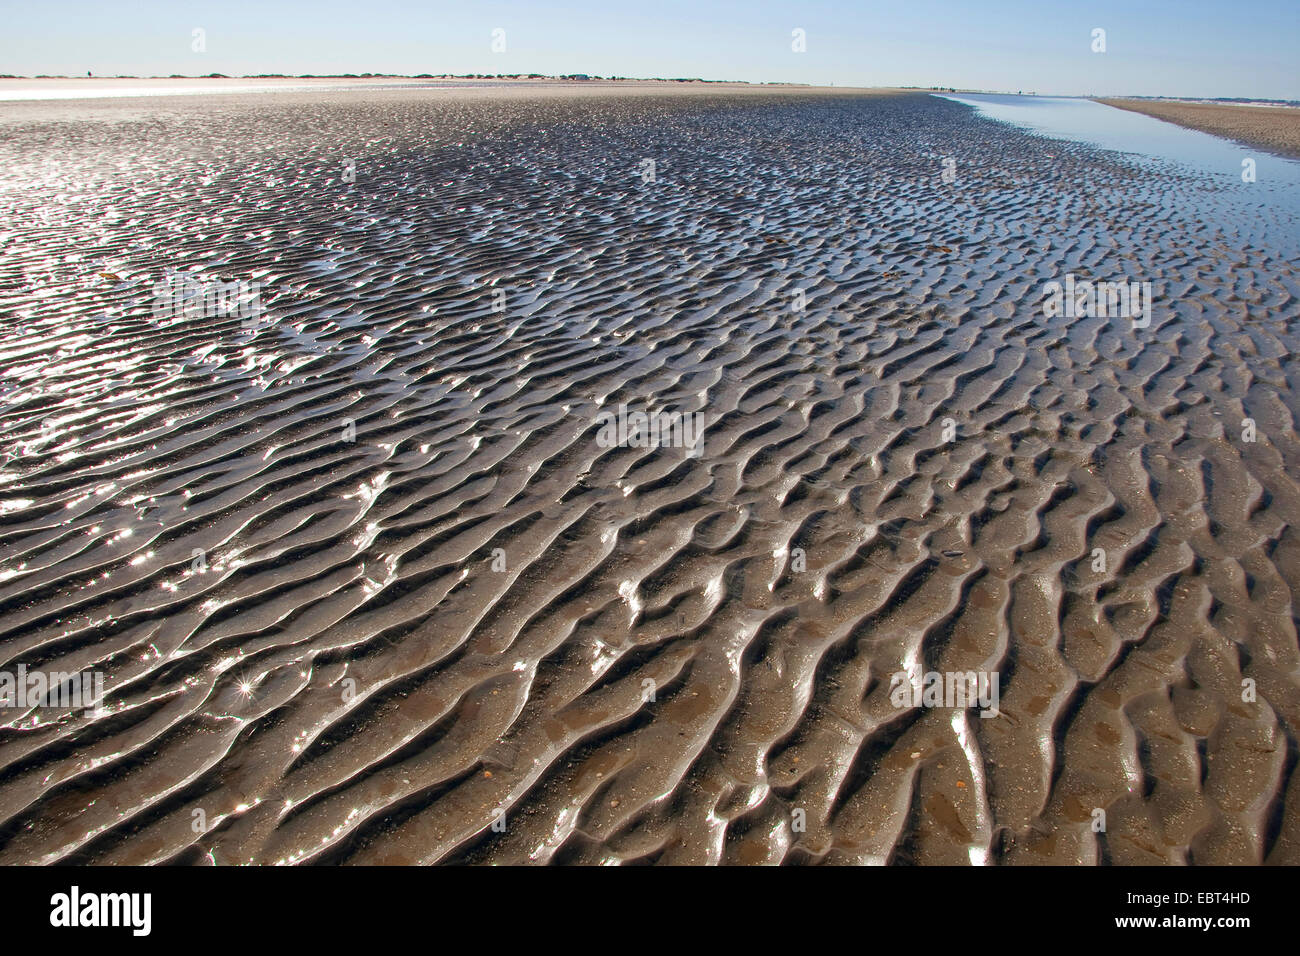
{"points": [[589, 77]]}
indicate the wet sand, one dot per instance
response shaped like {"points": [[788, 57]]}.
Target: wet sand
{"points": [[363, 580], [1274, 128], [45, 89]]}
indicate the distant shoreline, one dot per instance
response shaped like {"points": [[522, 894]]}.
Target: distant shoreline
{"points": [[572, 77], [1275, 129], [1228, 101], [56, 89]]}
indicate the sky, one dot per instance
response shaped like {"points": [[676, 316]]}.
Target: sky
{"points": [[1194, 48]]}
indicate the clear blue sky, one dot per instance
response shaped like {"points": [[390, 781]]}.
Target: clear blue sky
{"points": [[1153, 47]]}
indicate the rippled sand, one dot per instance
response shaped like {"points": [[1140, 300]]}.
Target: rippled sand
{"points": [[360, 576]]}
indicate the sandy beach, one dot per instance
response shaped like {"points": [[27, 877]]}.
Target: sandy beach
{"points": [[1274, 128], [368, 584], [17, 89]]}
